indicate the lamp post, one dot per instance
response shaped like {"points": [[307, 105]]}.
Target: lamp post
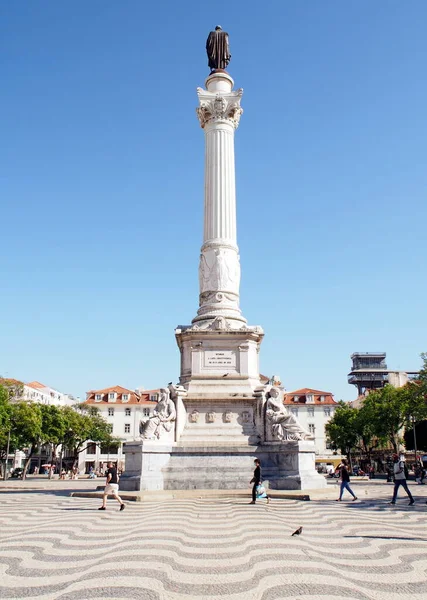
{"points": [[415, 439], [7, 456]]}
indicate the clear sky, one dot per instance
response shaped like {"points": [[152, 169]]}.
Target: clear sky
{"points": [[101, 185]]}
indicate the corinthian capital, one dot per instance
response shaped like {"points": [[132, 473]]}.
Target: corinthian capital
{"points": [[223, 106]]}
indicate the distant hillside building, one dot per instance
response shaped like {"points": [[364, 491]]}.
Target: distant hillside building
{"points": [[369, 372]]}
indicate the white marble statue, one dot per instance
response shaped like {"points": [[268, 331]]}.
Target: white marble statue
{"points": [[162, 419], [282, 425]]}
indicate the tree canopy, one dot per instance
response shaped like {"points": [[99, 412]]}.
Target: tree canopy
{"points": [[31, 425], [342, 429], [382, 419]]}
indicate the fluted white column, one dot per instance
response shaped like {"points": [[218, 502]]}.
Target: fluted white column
{"points": [[220, 193], [219, 114]]}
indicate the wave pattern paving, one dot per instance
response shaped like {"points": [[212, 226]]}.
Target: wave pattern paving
{"points": [[60, 548]]}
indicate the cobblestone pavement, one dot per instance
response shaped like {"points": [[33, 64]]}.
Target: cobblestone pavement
{"points": [[57, 547]]}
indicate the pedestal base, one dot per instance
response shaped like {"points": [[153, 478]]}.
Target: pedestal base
{"points": [[285, 466]]}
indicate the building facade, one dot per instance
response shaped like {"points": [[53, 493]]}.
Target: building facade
{"points": [[123, 409], [313, 409], [43, 394]]}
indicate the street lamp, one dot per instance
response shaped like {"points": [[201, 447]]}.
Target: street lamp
{"points": [[7, 456], [415, 439]]}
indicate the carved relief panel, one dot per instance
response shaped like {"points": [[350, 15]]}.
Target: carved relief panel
{"points": [[219, 270], [193, 417], [210, 417]]}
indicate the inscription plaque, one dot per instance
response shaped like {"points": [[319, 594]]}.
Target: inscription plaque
{"points": [[220, 358]]}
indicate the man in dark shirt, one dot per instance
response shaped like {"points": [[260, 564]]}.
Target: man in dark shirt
{"points": [[256, 480], [112, 487], [345, 480]]}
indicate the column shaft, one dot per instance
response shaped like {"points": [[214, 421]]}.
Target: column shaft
{"points": [[220, 192]]}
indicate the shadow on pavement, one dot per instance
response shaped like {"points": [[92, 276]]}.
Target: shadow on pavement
{"points": [[45, 492], [80, 509], [386, 537]]}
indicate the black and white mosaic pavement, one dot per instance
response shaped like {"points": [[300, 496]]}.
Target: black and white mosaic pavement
{"points": [[57, 547]]}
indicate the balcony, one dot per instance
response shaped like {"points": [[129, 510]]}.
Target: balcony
{"points": [[368, 379]]}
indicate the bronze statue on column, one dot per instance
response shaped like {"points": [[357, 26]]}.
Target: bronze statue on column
{"points": [[217, 49]]}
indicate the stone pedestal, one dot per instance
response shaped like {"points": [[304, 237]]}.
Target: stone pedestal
{"points": [[151, 466], [217, 359]]}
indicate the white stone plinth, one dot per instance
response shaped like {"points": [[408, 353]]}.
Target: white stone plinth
{"points": [[285, 466]]}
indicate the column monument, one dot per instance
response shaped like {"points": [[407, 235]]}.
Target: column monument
{"points": [[207, 430]]}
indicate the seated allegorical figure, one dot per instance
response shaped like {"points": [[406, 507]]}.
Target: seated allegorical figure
{"points": [[282, 424], [162, 419]]}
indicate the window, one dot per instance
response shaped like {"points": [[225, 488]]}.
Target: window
{"points": [[296, 398], [153, 397], [327, 412], [310, 398], [111, 412], [91, 449], [294, 411], [106, 449], [98, 397], [328, 445], [146, 412], [127, 427], [127, 412], [322, 398], [110, 428], [312, 428], [125, 397], [112, 396], [310, 411]]}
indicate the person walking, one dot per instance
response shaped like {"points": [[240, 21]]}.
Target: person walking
{"points": [[400, 480], [345, 480], [256, 480], [112, 487]]}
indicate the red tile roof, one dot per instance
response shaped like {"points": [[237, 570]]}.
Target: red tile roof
{"points": [[303, 392], [9, 381], [134, 397], [37, 385]]}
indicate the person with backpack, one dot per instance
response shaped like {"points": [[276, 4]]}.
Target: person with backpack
{"points": [[400, 480]]}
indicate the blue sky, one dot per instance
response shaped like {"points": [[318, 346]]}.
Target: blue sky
{"points": [[101, 185]]}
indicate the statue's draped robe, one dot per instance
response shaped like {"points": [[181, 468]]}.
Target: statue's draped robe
{"points": [[218, 50]]}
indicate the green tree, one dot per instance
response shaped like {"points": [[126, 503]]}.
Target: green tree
{"points": [[15, 388], [364, 428], [5, 413], [342, 430], [422, 378], [26, 429], [83, 425], [391, 409], [53, 429]]}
